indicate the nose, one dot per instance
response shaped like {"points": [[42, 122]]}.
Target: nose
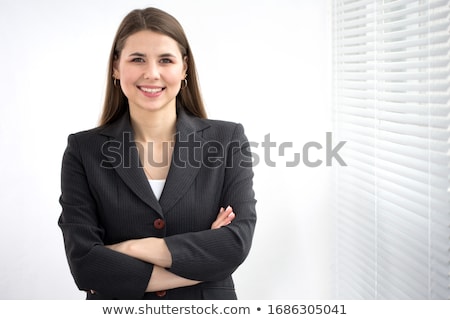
{"points": [[151, 71]]}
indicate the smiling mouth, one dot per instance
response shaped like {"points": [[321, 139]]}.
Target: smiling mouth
{"points": [[151, 90]]}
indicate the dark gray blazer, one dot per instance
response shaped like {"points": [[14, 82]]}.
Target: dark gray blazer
{"points": [[106, 198]]}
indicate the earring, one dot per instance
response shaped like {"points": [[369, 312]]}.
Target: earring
{"points": [[184, 83], [115, 81]]}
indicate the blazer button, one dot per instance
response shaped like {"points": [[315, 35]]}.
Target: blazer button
{"points": [[159, 224], [161, 293]]}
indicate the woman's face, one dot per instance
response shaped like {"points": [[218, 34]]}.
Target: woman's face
{"points": [[150, 69]]}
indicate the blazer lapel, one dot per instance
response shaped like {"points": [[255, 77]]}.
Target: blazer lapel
{"points": [[185, 165], [129, 167], [186, 159]]}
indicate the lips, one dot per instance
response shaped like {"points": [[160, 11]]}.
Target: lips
{"points": [[151, 91]]}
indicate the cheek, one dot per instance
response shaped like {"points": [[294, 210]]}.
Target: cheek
{"points": [[128, 82], [173, 77], [128, 76]]}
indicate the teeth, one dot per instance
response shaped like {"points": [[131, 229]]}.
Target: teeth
{"points": [[151, 90]]}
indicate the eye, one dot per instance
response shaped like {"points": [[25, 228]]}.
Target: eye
{"points": [[138, 60], [165, 60]]}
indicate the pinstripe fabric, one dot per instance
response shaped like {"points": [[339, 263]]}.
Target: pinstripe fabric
{"points": [[106, 199]]}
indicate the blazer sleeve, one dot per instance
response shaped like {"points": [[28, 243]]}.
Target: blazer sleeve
{"points": [[213, 255], [93, 266]]}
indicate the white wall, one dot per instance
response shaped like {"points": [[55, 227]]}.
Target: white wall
{"points": [[265, 64]]}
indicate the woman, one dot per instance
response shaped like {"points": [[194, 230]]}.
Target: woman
{"points": [[157, 201]]}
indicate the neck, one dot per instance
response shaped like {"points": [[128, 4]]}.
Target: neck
{"points": [[156, 126]]}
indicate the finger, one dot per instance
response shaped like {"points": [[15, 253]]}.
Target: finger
{"points": [[226, 220], [223, 213], [230, 218], [220, 212], [228, 214], [228, 210]]}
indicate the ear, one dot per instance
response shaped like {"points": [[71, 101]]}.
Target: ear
{"points": [[116, 73], [185, 64]]}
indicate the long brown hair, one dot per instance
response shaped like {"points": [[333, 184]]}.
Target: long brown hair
{"points": [[116, 103]]}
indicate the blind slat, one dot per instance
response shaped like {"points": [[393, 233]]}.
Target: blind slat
{"points": [[391, 66]]}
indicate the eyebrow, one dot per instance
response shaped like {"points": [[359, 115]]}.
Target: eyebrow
{"points": [[143, 55], [138, 54]]}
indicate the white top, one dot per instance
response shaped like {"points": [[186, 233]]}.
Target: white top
{"points": [[157, 187]]}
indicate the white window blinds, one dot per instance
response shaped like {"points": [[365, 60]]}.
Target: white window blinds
{"points": [[391, 62]]}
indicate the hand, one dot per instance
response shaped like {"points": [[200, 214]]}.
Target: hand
{"points": [[121, 247], [155, 251], [152, 250], [224, 218]]}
